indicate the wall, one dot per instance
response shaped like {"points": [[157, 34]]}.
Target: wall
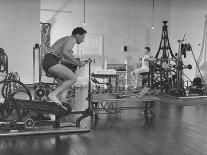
{"points": [[187, 17], [122, 22], [19, 31]]}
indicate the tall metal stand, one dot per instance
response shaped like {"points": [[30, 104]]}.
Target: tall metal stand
{"points": [[36, 48], [179, 70], [165, 44], [89, 110], [163, 55], [89, 84]]}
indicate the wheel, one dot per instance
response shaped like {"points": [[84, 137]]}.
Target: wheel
{"points": [[110, 108], [40, 92], [8, 111], [19, 114], [8, 83], [10, 86], [29, 123]]}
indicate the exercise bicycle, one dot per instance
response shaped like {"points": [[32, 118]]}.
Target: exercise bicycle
{"points": [[23, 107]]}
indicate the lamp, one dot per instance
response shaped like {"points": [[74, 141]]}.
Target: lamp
{"points": [[153, 12], [84, 12]]}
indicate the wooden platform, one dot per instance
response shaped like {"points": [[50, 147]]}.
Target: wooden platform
{"points": [[42, 106], [112, 103], [185, 101], [113, 97], [44, 131]]}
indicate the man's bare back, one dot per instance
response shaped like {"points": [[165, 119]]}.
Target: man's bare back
{"points": [[59, 45], [62, 48]]}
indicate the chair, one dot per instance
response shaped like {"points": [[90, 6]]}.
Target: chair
{"points": [[145, 79]]}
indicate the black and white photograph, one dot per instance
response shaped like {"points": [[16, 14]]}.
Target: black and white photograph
{"points": [[103, 77]]}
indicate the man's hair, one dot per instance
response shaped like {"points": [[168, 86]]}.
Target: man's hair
{"points": [[147, 48], [78, 30]]}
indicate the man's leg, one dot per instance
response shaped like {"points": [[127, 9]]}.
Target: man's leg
{"points": [[134, 74], [141, 70], [137, 72], [64, 73], [63, 96]]}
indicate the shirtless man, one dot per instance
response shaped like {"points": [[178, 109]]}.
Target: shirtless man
{"points": [[61, 50], [143, 68]]}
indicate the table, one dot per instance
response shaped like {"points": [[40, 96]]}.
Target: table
{"points": [[107, 76]]}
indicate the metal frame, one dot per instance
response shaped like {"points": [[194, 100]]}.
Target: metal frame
{"points": [[37, 106]]}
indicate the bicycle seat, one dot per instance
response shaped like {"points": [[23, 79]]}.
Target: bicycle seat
{"points": [[144, 73]]}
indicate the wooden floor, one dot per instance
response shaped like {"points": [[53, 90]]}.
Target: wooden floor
{"points": [[176, 130]]}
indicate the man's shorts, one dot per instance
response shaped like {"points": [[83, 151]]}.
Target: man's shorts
{"points": [[49, 60]]}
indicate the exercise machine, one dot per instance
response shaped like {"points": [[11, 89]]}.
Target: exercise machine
{"points": [[166, 71], [110, 102], [23, 107]]}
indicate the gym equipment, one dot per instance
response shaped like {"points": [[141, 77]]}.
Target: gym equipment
{"points": [[36, 48], [45, 38], [180, 89], [160, 76], [121, 71], [44, 131], [166, 71], [109, 102], [108, 99], [23, 107], [3, 61], [98, 86], [196, 87], [89, 110], [164, 59], [190, 100], [8, 87], [179, 69], [182, 48], [145, 79], [165, 44], [107, 76]]}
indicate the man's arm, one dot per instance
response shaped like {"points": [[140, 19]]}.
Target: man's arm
{"points": [[67, 54], [147, 58]]}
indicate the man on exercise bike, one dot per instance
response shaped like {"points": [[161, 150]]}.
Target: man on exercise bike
{"points": [[61, 53]]}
